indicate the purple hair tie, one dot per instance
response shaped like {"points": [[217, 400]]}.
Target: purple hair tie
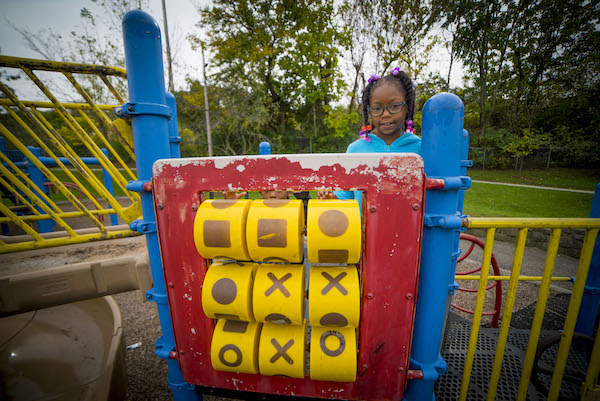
{"points": [[374, 78], [364, 133], [395, 71], [409, 127]]}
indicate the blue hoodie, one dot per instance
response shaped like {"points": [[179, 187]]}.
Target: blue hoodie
{"points": [[405, 144]]}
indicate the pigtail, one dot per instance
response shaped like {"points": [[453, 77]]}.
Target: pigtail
{"points": [[409, 89]]}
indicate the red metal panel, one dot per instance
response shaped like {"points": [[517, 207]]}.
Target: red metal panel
{"points": [[393, 212]]}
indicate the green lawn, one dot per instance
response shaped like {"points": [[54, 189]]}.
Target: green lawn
{"points": [[553, 177], [504, 201]]}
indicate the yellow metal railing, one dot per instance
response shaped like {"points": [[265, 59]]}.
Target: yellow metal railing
{"points": [[65, 131], [523, 224]]}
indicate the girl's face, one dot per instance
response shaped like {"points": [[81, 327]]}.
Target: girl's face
{"points": [[389, 126]]}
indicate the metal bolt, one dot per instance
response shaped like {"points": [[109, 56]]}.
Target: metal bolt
{"points": [[173, 355], [401, 369], [149, 297], [130, 108], [409, 296], [145, 228], [161, 206], [171, 285], [181, 352], [365, 366], [373, 209], [415, 206], [370, 295], [194, 207]]}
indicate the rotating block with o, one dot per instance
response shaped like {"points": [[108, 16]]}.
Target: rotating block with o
{"points": [[278, 295], [234, 346], [281, 350], [333, 296], [274, 230], [333, 231], [220, 229], [227, 290], [333, 354]]}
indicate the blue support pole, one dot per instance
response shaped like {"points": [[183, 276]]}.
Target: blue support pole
{"points": [[38, 178], [442, 151], [108, 184], [149, 114], [264, 148], [590, 303], [174, 138]]}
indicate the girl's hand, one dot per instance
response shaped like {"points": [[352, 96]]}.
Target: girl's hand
{"points": [[233, 194], [326, 195]]}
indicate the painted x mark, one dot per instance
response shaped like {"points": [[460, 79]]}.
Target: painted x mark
{"points": [[334, 283], [281, 351], [278, 284]]}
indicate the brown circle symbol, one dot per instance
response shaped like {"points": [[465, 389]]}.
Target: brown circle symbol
{"points": [[224, 291], [275, 202], [333, 223], [340, 348], [278, 318], [334, 320], [238, 355], [223, 203]]}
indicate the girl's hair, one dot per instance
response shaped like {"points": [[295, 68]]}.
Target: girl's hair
{"points": [[402, 81]]}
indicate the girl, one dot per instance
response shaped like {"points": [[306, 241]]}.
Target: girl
{"points": [[390, 104]]}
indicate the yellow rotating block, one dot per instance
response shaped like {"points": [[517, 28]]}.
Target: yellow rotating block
{"points": [[333, 296], [282, 350], [234, 346], [278, 295], [274, 230], [333, 354], [227, 291], [220, 229], [333, 231]]}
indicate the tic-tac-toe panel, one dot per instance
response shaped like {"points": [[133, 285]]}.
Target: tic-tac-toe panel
{"points": [[362, 281]]}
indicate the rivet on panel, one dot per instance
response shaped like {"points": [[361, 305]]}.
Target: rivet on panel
{"points": [[409, 295], [370, 295]]}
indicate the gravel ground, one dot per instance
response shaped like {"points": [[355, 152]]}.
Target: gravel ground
{"points": [[147, 374]]}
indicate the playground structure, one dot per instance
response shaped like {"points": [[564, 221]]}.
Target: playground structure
{"points": [[425, 201]]}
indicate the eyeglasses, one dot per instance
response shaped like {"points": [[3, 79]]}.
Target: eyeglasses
{"points": [[393, 108]]}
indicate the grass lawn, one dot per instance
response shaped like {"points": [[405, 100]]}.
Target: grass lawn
{"points": [[504, 201], [553, 177]]}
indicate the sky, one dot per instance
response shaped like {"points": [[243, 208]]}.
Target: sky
{"points": [[63, 16]]}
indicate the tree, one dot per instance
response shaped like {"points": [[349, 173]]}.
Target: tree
{"points": [[283, 49]]}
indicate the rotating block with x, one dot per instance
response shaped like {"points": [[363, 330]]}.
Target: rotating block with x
{"points": [[278, 294], [371, 304]]}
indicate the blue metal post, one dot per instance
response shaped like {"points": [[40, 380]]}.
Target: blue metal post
{"points": [[108, 184], [264, 148], [38, 178], [149, 112], [442, 151], [174, 138], [590, 303]]}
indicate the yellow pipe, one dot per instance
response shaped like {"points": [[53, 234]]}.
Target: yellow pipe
{"points": [[107, 144], [30, 183], [22, 187], [485, 269], [92, 147], [70, 154], [112, 89], [529, 222], [569, 328], [50, 105], [507, 314], [54, 142], [20, 197], [591, 377], [99, 113], [64, 215], [45, 65], [506, 278], [20, 223], [25, 246], [538, 316], [63, 190]]}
